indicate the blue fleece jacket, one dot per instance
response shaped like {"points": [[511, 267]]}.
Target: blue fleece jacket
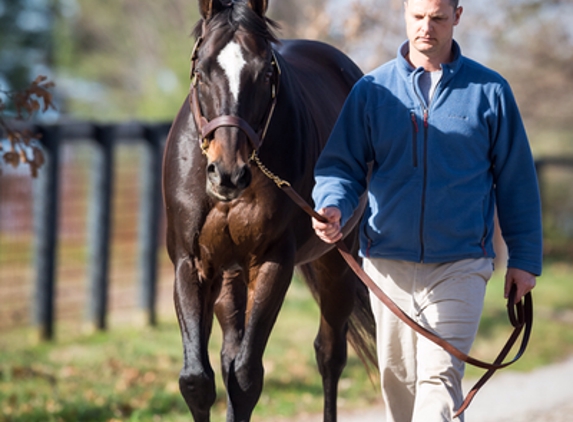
{"points": [[438, 171]]}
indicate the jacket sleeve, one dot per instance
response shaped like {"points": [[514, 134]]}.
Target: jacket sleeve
{"points": [[342, 168], [516, 184]]}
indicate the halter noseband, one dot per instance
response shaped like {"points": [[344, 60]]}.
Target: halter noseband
{"points": [[206, 127]]}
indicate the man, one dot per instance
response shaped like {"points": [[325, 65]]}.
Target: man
{"points": [[446, 145]]}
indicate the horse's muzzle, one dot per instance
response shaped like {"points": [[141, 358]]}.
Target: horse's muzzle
{"points": [[227, 184]]}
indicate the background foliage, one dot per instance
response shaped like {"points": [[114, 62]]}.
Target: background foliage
{"points": [[122, 59]]}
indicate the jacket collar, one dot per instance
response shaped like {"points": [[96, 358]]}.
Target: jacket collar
{"points": [[449, 69]]}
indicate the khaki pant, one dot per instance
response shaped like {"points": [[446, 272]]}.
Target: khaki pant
{"points": [[421, 382]]}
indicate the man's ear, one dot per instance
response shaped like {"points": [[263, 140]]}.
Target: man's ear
{"points": [[458, 14]]}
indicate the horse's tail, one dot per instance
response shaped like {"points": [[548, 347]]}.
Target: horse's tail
{"points": [[361, 325], [362, 329]]}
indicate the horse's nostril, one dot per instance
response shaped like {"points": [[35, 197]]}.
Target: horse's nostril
{"points": [[243, 177], [213, 174]]}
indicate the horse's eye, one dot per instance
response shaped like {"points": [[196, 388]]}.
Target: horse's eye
{"points": [[268, 75]]}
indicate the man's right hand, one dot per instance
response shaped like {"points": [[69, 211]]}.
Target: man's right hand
{"points": [[328, 232]]}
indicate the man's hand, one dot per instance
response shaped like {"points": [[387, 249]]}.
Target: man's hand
{"points": [[328, 232], [523, 280]]}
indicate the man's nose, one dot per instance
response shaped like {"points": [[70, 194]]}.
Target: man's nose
{"points": [[426, 25]]}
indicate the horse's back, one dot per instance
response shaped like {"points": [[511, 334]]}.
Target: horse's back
{"points": [[320, 66]]}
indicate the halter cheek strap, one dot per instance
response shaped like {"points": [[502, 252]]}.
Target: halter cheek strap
{"points": [[206, 127]]}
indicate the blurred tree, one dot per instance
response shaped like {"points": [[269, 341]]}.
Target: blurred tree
{"points": [[25, 41], [368, 30], [124, 59], [529, 41], [535, 50], [121, 59], [302, 19]]}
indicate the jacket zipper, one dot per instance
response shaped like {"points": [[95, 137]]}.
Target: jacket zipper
{"points": [[425, 165], [414, 139], [424, 186]]}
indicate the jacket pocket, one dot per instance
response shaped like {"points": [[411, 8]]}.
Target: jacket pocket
{"points": [[414, 139]]}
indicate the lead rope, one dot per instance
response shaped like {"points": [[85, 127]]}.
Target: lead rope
{"points": [[520, 314]]}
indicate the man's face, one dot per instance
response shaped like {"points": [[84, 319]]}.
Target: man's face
{"points": [[430, 25]]}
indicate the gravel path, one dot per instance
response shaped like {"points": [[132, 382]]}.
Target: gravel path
{"points": [[543, 395]]}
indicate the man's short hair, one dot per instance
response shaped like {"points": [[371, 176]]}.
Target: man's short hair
{"points": [[454, 3]]}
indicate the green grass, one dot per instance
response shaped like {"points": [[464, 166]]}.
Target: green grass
{"points": [[130, 374], [552, 334], [122, 375]]}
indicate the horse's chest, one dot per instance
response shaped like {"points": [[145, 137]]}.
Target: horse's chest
{"points": [[238, 230]]}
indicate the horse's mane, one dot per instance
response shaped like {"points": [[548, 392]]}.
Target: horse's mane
{"points": [[239, 14]]}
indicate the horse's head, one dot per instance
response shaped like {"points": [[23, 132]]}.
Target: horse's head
{"points": [[234, 79]]}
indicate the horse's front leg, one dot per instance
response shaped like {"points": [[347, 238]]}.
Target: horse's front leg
{"points": [[230, 309], [267, 286], [194, 299]]}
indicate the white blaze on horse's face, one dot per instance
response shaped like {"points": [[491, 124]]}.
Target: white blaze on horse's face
{"points": [[232, 61]]}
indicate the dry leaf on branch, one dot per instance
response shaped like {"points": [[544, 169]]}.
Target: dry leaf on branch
{"points": [[35, 98]]}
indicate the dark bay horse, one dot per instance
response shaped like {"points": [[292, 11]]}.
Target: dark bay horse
{"points": [[234, 238]]}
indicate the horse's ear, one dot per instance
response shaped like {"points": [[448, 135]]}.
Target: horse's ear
{"points": [[208, 8], [259, 6]]}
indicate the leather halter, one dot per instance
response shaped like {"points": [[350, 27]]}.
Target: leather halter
{"points": [[206, 128]]}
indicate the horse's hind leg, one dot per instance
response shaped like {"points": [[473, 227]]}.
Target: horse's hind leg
{"points": [[334, 284], [194, 308]]}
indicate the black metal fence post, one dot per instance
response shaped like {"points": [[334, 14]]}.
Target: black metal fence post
{"points": [[46, 196], [99, 222], [150, 213]]}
